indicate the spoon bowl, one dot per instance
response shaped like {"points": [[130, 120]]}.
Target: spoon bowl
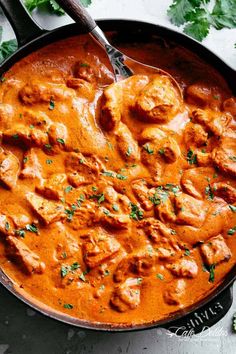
{"points": [[120, 63]]}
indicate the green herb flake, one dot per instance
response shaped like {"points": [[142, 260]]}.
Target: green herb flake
{"points": [[7, 226], [139, 281], [32, 228], [121, 177], [209, 192], [51, 104], [49, 162], [68, 189], [136, 213], [232, 208], [148, 149], [108, 174], [64, 271], [15, 136], [61, 141], [48, 146], [159, 276], [161, 151], [25, 159], [191, 157], [129, 151], [74, 266], [212, 273], [234, 323], [20, 232], [115, 207], [231, 231], [68, 306], [187, 252]]}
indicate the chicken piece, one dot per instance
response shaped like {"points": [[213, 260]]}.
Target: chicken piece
{"points": [[98, 248], [152, 134], [127, 146], [111, 106], [26, 135], [175, 291], [224, 156], [31, 166], [158, 101], [6, 225], [58, 135], [155, 229], [38, 92], [195, 180], [35, 119], [214, 122], [53, 187], [83, 88], [112, 220], [126, 296], [170, 150], [19, 252], [9, 169], [189, 211], [225, 191], [229, 105], [149, 159], [164, 209], [95, 73], [48, 211], [141, 264], [186, 268], [6, 116], [200, 94], [215, 250], [195, 135], [82, 169], [204, 159], [141, 192]]}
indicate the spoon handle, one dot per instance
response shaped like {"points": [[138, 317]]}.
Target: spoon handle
{"points": [[78, 13]]}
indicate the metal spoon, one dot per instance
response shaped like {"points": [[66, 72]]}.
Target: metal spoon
{"points": [[120, 62]]}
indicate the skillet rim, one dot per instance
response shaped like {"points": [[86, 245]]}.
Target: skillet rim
{"points": [[229, 75]]}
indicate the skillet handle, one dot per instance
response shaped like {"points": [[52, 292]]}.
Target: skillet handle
{"points": [[23, 24], [202, 319], [77, 12]]}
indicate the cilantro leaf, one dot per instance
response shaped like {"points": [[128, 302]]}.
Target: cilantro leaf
{"points": [[223, 14], [179, 9], [199, 25], [50, 5], [7, 47]]}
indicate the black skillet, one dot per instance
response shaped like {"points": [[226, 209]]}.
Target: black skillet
{"points": [[31, 37]]}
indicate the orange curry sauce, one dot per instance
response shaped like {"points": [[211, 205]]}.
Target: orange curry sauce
{"points": [[118, 200]]}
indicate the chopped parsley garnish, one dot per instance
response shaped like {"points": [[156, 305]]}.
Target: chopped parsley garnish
{"points": [[99, 197], [31, 126], [48, 146], [232, 158], [25, 159], [209, 192], [68, 189], [191, 157], [106, 211], [136, 213], [148, 149], [49, 162], [51, 104], [161, 151], [80, 200], [20, 232], [121, 177], [139, 280], [160, 196], [232, 231], [74, 266], [232, 208], [70, 213], [159, 276], [187, 252], [84, 65], [115, 207], [15, 136], [7, 226], [128, 152], [61, 141], [32, 228], [68, 306], [108, 173], [212, 273], [64, 271], [173, 232], [82, 276], [106, 272]]}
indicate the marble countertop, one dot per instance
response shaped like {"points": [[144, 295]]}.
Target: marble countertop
{"points": [[23, 331]]}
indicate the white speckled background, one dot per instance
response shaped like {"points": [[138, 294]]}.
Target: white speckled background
{"points": [[23, 331]]}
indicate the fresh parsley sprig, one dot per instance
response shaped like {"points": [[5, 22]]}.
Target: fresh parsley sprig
{"points": [[197, 17], [50, 5], [7, 47]]}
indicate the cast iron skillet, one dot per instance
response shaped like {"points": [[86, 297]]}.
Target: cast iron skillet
{"points": [[31, 37]]}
